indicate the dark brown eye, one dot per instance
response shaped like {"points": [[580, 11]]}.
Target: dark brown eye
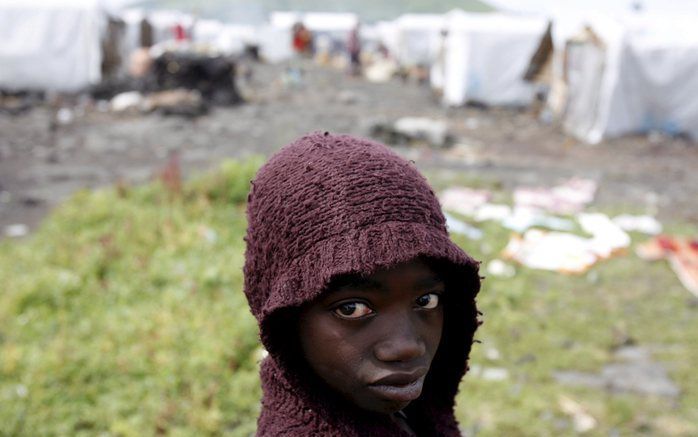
{"points": [[428, 301], [352, 310]]}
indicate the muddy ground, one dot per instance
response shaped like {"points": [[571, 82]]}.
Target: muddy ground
{"points": [[42, 162]]}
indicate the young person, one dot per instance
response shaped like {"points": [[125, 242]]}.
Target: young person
{"points": [[366, 307]]}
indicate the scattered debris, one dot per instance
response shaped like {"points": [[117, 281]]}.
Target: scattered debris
{"points": [[499, 268], [633, 372], [582, 420], [568, 198], [127, 101], [639, 223], [565, 252], [556, 251], [465, 201], [682, 254], [461, 227], [381, 71], [607, 237], [465, 152], [413, 130], [65, 116], [435, 132], [490, 211], [523, 218], [492, 354], [16, 231], [176, 102], [212, 76], [16, 103]]}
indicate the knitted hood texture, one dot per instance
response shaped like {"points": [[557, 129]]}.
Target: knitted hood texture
{"points": [[328, 205]]}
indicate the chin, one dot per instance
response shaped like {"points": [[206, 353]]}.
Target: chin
{"points": [[384, 406]]}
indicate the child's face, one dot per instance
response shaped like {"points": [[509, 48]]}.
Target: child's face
{"points": [[373, 339]]}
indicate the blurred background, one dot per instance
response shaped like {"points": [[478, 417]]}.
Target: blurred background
{"points": [[560, 137]]}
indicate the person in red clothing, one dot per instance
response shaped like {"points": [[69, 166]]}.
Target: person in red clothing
{"points": [[302, 39], [365, 306]]}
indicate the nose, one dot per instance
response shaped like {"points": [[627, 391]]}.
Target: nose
{"points": [[400, 340]]}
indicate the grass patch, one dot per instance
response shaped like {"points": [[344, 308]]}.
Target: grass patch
{"points": [[124, 315]]}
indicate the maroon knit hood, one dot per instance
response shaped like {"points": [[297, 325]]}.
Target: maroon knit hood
{"points": [[328, 205]]}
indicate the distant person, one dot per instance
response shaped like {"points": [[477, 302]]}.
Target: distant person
{"points": [[302, 39], [180, 33], [365, 305], [354, 50]]}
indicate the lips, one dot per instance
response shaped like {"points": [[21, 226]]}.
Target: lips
{"points": [[401, 387]]}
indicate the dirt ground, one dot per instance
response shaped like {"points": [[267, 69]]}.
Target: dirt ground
{"points": [[42, 162]]}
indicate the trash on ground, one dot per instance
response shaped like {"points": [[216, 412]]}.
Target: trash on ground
{"points": [[16, 230], [413, 130], [568, 198], [212, 76], [639, 223], [491, 211], [499, 268], [523, 218], [682, 254], [565, 252], [607, 237], [556, 251], [461, 227], [65, 116], [176, 102], [127, 101], [583, 421], [381, 71], [464, 152], [465, 201]]}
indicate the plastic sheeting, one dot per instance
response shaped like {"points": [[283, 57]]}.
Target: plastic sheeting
{"points": [[636, 74], [486, 57], [50, 45]]}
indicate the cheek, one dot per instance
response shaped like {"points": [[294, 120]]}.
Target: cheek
{"points": [[432, 329], [329, 351]]}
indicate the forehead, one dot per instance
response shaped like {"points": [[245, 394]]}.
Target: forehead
{"points": [[415, 274]]}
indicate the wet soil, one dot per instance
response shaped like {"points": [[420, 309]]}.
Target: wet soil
{"points": [[42, 161]]}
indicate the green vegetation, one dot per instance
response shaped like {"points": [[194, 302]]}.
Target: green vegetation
{"points": [[124, 315]]}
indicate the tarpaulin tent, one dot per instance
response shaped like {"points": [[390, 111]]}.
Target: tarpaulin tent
{"points": [[50, 44], [413, 39], [485, 58], [631, 74]]}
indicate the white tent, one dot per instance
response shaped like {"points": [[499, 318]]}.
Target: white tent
{"points": [[485, 58], [50, 44], [413, 39], [634, 73], [274, 43], [340, 22]]}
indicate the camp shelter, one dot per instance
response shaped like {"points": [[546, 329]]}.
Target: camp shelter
{"points": [[51, 44], [485, 57], [335, 24], [413, 39], [274, 43], [630, 74]]}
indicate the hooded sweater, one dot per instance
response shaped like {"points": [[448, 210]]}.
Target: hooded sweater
{"points": [[328, 205]]}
